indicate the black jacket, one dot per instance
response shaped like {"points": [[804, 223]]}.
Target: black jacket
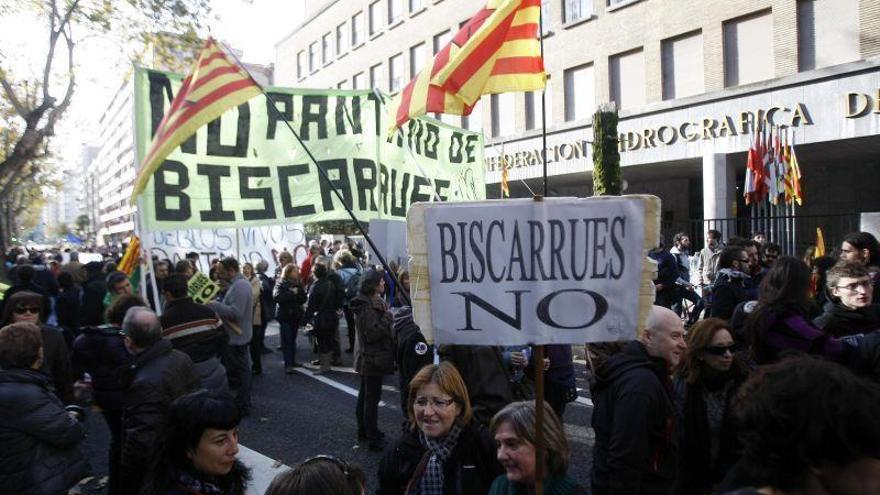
{"points": [[413, 351], [374, 346], [727, 293], [290, 298], [326, 296], [194, 329], [699, 472], [488, 382], [39, 439], [634, 421], [470, 469], [56, 362], [840, 321], [100, 351], [92, 309], [267, 305], [157, 376]]}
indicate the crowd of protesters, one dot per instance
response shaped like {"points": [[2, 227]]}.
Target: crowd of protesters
{"points": [[756, 373]]}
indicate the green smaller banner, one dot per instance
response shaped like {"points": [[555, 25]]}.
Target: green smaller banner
{"points": [[202, 289]]}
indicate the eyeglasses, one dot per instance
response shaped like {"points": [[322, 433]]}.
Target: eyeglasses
{"points": [[720, 350], [437, 404], [346, 469], [20, 310], [864, 284]]}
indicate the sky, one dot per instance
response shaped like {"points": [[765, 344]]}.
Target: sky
{"points": [[253, 26]]}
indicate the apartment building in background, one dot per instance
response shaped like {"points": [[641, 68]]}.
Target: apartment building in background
{"points": [[693, 81]]}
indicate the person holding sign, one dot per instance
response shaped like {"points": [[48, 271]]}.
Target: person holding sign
{"points": [[515, 438], [633, 416], [443, 451]]}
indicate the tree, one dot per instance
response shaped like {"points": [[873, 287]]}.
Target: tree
{"points": [[338, 227], [606, 156], [33, 104], [82, 225]]}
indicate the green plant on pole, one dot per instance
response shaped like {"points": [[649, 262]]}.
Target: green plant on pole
{"points": [[606, 157]]}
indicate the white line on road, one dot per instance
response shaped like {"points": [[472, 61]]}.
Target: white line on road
{"points": [[338, 386], [263, 469], [584, 401]]}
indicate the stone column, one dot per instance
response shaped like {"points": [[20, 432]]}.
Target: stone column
{"points": [[719, 193]]}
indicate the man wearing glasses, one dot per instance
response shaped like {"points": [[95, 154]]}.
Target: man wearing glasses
{"points": [[851, 309]]}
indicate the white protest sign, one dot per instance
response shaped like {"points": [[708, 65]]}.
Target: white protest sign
{"points": [[517, 272], [255, 243]]}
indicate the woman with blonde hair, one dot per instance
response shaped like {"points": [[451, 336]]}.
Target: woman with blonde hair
{"points": [[516, 440], [443, 451]]}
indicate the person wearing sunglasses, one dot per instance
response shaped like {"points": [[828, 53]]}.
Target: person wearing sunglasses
{"points": [[703, 391], [320, 475], [27, 307], [732, 282], [199, 450], [851, 310], [442, 451]]}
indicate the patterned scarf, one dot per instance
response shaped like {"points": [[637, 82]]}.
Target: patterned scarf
{"points": [[440, 449]]}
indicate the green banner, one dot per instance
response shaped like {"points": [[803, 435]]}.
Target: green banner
{"points": [[247, 168]]}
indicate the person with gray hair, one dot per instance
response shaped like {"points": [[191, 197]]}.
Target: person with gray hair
{"points": [[158, 375]]}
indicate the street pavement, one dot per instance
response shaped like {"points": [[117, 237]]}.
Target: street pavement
{"points": [[301, 415]]}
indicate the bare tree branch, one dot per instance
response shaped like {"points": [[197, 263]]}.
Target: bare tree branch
{"points": [[9, 91]]}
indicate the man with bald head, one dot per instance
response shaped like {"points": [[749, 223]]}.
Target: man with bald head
{"points": [[633, 414], [158, 375]]}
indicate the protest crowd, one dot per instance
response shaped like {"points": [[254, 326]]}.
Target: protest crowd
{"points": [[755, 373]]}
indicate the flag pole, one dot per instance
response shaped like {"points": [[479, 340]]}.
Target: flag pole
{"points": [[543, 106], [321, 171]]}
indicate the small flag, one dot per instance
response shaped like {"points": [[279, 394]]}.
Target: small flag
{"points": [[794, 176], [820, 244], [131, 259], [215, 85], [754, 187], [505, 176], [770, 179], [496, 51]]}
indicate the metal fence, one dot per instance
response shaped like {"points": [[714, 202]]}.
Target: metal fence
{"points": [[794, 233]]}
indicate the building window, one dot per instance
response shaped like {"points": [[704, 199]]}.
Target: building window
{"points": [[628, 79], [375, 76], [682, 66], [357, 82], [503, 114], [748, 49], [441, 40], [375, 18], [341, 39], [575, 10], [580, 92], [416, 5], [395, 11], [395, 73], [326, 54], [546, 18], [417, 59], [357, 29], [313, 57], [300, 73], [828, 33]]}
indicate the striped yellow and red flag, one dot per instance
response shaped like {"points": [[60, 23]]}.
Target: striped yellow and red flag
{"points": [[496, 51], [215, 85], [131, 259]]}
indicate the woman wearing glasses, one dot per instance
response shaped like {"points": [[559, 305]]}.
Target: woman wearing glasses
{"points": [[27, 307], [706, 383], [443, 451]]}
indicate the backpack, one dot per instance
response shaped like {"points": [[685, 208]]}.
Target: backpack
{"points": [[353, 285]]}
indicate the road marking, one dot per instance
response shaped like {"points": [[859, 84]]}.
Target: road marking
{"points": [[338, 386], [584, 401], [263, 469]]}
